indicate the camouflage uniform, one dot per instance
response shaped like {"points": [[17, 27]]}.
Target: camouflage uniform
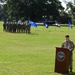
{"points": [[28, 28], [69, 45], [4, 27]]}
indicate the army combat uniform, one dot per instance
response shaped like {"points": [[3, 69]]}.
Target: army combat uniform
{"points": [[69, 45], [28, 28]]}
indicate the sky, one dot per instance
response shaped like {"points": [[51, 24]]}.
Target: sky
{"points": [[64, 2]]}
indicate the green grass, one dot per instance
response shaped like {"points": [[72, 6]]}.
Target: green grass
{"points": [[34, 54]]}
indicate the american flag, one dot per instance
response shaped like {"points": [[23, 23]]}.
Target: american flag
{"points": [[57, 24]]}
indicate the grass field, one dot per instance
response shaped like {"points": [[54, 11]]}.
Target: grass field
{"points": [[34, 54]]}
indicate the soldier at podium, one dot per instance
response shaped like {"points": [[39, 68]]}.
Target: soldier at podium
{"points": [[69, 45]]}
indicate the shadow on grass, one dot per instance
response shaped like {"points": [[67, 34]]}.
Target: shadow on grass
{"points": [[71, 73], [23, 33], [34, 34], [51, 73]]}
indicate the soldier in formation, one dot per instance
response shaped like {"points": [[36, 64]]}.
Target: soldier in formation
{"points": [[16, 27]]}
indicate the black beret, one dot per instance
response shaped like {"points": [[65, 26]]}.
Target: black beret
{"points": [[67, 36]]}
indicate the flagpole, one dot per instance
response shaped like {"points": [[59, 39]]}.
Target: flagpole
{"points": [[68, 29], [69, 26], [55, 27], [43, 28]]}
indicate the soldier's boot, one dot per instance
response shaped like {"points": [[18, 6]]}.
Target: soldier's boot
{"points": [[26, 31], [71, 68]]}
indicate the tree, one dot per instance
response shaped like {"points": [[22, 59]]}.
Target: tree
{"points": [[71, 10], [33, 9], [64, 17]]}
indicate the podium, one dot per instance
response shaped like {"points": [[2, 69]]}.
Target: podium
{"points": [[62, 60]]}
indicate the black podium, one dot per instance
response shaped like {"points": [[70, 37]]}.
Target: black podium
{"points": [[62, 60]]}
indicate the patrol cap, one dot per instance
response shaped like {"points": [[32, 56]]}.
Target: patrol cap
{"points": [[66, 36]]}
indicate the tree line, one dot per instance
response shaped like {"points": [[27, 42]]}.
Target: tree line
{"points": [[37, 10], [32, 9]]}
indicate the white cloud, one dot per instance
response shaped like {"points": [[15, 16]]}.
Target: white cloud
{"points": [[65, 1]]}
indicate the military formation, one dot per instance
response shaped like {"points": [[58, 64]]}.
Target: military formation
{"points": [[16, 27]]}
